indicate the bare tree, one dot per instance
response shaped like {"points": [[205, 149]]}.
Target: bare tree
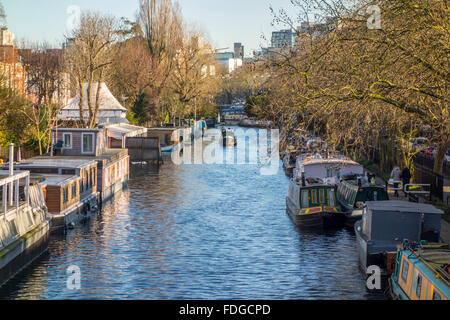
{"points": [[89, 56], [161, 24]]}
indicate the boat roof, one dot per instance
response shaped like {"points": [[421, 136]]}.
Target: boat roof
{"points": [[433, 257], [402, 206], [364, 184], [311, 160], [56, 162], [58, 180], [313, 182]]}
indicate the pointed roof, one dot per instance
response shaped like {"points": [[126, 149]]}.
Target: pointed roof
{"points": [[106, 100]]}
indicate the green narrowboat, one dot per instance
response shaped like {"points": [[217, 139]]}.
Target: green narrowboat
{"points": [[312, 204], [421, 273], [352, 195]]}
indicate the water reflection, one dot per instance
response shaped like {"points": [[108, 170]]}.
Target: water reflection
{"points": [[197, 232]]}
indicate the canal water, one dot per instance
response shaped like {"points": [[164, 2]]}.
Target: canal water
{"points": [[197, 232]]}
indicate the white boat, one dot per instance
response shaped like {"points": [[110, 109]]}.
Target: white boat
{"points": [[330, 168], [167, 149]]}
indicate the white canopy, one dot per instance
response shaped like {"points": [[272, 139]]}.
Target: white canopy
{"points": [[119, 131], [110, 110]]}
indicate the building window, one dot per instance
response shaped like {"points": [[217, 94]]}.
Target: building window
{"points": [[87, 143], [405, 270], [67, 138]]}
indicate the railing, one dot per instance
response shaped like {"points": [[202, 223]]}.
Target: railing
{"points": [[428, 162], [10, 199]]}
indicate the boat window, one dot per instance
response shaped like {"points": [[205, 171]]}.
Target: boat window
{"points": [[418, 285], [313, 196], [67, 141], [87, 143], [65, 194], [405, 270], [322, 196], [305, 199], [331, 201], [74, 190], [436, 295]]}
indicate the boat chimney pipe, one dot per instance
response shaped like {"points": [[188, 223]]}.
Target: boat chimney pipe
{"points": [[11, 173], [11, 159], [303, 180]]}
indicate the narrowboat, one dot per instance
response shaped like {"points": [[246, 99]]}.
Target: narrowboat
{"points": [[384, 223], [352, 194], [422, 272], [312, 204]]}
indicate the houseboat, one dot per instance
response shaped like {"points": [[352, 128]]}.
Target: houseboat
{"points": [[330, 168], [69, 187], [169, 137], [312, 204], [24, 224], [113, 164], [384, 223], [353, 192], [422, 272]]}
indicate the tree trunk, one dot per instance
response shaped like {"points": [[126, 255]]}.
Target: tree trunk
{"points": [[439, 157]]}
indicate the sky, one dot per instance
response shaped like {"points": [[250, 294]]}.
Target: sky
{"points": [[224, 21]]}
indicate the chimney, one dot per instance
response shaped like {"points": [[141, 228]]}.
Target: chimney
{"points": [[11, 159], [11, 172]]}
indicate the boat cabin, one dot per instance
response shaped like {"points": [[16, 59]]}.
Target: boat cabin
{"points": [[352, 194], [422, 273], [65, 182], [314, 193], [384, 223], [331, 168], [79, 142]]}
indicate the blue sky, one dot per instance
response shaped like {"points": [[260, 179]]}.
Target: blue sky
{"points": [[225, 21]]}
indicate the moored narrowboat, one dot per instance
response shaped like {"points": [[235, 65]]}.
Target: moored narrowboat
{"points": [[422, 272], [352, 195], [312, 204]]}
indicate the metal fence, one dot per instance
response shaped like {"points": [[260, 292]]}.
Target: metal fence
{"points": [[428, 162]]}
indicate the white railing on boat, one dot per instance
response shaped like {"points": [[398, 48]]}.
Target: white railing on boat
{"points": [[10, 190]]}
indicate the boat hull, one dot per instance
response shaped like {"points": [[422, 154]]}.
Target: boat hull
{"points": [[24, 251], [167, 149], [320, 220], [351, 218]]}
